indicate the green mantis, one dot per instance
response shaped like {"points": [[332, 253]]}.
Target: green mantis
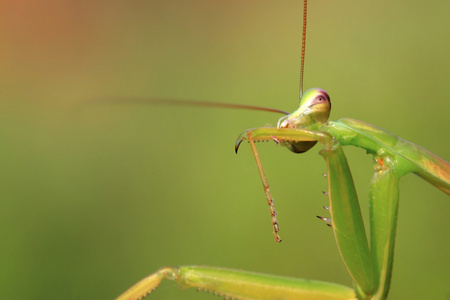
{"points": [[370, 269]]}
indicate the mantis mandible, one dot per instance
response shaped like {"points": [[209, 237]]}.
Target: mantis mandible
{"points": [[369, 263]]}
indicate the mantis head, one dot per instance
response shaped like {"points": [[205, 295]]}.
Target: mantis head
{"points": [[314, 110]]}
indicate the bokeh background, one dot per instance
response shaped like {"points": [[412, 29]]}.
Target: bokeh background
{"points": [[97, 194]]}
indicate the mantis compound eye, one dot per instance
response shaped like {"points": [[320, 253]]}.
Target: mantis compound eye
{"points": [[320, 97]]}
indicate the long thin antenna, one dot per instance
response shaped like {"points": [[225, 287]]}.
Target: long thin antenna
{"points": [[305, 3], [178, 102]]}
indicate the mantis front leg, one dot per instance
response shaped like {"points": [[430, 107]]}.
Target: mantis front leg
{"points": [[346, 218]]}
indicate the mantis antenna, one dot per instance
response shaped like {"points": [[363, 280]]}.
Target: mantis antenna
{"points": [[302, 63], [178, 102]]}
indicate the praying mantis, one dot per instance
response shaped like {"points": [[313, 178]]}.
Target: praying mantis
{"points": [[313, 135]]}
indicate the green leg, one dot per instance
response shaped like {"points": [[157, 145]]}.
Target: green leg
{"points": [[346, 220], [234, 284], [384, 195]]}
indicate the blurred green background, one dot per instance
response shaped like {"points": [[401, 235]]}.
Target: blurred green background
{"points": [[96, 196]]}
